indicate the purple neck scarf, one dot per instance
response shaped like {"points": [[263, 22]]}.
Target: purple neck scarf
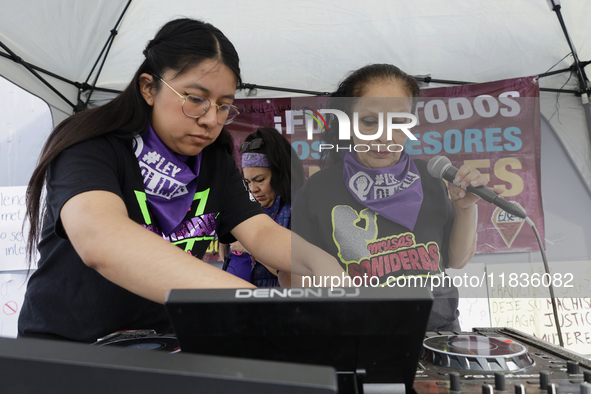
{"points": [[394, 192], [170, 180]]}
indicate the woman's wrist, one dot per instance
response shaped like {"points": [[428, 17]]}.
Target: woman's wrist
{"points": [[459, 210]]}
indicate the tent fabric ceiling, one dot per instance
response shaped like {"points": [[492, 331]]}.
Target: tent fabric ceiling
{"points": [[310, 45]]}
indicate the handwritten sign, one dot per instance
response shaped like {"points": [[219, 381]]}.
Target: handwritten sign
{"points": [[473, 302], [519, 298], [12, 239]]}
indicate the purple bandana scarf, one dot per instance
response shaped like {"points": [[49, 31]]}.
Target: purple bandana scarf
{"points": [[394, 192], [255, 160], [170, 180]]}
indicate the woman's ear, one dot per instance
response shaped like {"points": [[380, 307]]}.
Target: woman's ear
{"points": [[146, 82]]}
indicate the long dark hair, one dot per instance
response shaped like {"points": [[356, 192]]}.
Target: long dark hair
{"points": [[354, 85], [179, 45], [287, 172]]}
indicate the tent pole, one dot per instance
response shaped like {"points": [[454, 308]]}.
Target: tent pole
{"points": [[59, 77], [581, 76], [111, 36], [584, 85], [571, 69], [105, 50], [587, 109], [39, 69], [26, 65], [252, 86]]}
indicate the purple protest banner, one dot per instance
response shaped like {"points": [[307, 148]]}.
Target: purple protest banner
{"points": [[494, 127]]}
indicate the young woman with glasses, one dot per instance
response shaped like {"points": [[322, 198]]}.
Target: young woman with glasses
{"points": [[272, 171], [136, 191]]}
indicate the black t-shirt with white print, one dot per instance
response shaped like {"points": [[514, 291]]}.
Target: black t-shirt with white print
{"points": [[367, 244], [65, 299]]}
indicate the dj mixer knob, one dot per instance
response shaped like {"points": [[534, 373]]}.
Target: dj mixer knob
{"points": [[454, 382], [572, 367], [520, 389], [585, 388], [544, 380], [498, 361], [500, 381]]}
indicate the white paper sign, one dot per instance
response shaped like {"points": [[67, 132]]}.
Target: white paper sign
{"points": [[12, 294], [473, 303], [519, 298], [12, 240]]}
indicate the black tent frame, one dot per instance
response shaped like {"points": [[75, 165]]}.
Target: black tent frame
{"points": [[577, 68], [82, 87]]}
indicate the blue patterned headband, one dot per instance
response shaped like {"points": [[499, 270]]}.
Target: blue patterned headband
{"points": [[255, 160]]}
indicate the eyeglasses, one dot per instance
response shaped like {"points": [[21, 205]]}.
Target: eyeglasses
{"points": [[195, 107], [254, 144]]}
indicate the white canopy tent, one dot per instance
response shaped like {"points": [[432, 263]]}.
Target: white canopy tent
{"points": [[310, 45]]}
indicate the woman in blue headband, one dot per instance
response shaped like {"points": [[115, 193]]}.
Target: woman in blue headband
{"points": [[272, 170]]}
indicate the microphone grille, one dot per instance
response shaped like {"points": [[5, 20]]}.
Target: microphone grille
{"points": [[437, 166]]}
